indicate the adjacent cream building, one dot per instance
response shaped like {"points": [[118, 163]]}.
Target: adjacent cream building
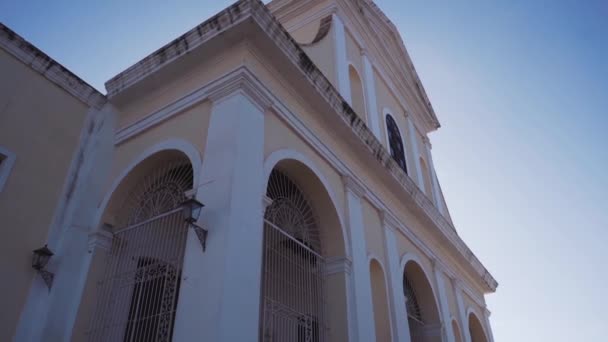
{"points": [[301, 126]]}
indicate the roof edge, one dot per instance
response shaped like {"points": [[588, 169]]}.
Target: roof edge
{"points": [[50, 69]]}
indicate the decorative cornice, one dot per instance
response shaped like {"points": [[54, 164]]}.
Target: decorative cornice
{"points": [[239, 80], [38, 61]]}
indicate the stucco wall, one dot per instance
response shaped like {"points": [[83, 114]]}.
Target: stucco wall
{"points": [[41, 124]]}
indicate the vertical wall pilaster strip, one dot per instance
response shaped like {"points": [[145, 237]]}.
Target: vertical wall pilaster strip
{"points": [[370, 95], [221, 287], [486, 316], [464, 321], [443, 302], [341, 58], [362, 281], [412, 133], [433, 175], [401, 330]]}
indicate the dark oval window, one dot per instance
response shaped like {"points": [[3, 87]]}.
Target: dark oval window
{"points": [[395, 143]]}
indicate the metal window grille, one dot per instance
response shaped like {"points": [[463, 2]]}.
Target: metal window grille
{"points": [[412, 306], [138, 294], [395, 143], [293, 267]]}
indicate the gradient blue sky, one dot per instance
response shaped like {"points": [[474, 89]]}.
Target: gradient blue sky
{"points": [[521, 89]]}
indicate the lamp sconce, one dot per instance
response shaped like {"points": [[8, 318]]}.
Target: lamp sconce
{"points": [[191, 209], [39, 262]]}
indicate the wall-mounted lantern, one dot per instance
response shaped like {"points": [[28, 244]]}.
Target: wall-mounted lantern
{"points": [[191, 209], [39, 262]]}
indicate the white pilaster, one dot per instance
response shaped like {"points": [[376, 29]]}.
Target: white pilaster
{"points": [[401, 328], [433, 175], [361, 276], [341, 58], [415, 151], [221, 287], [50, 314], [370, 95], [443, 302], [486, 315], [464, 320]]}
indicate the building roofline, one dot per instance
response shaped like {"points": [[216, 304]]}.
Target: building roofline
{"points": [[256, 11], [47, 67]]}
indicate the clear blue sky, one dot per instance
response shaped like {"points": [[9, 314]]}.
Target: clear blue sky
{"points": [[521, 89]]}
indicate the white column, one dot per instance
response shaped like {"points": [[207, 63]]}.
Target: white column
{"points": [[360, 268], [443, 302], [220, 294], [401, 328], [370, 95], [412, 133], [464, 320], [433, 175], [341, 60], [486, 315]]}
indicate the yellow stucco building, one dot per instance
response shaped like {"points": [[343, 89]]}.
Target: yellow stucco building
{"points": [[301, 126]]}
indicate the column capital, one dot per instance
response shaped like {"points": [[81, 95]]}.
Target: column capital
{"points": [[100, 238], [389, 221], [427, 141], [335, 265], [266, 202], [354, 185], [438, 266], [240, 82]]}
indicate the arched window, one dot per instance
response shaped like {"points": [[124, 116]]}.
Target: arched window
{"points": [[421, 306], [414, 312], [292, 266], [395, 142], [138, 292]]}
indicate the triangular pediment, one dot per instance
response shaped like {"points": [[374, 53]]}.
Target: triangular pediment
{"points": [[374, 31]]}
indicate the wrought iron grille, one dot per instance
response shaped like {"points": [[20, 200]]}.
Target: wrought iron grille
{"points": [[412, 306], [138, 293], [293, 304], [395, 143]]}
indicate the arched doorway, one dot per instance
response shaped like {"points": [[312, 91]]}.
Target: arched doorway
{"points": [[138, 277], [456, 331], [476, 329], [301, 231], [380, 302], [421, 307]]}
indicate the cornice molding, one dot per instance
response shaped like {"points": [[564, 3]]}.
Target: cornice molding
{"points": [[237, 81], [50, 69], [240, 82]]}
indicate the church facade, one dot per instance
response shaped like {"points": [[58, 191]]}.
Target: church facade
{"points": [[267, 176]]}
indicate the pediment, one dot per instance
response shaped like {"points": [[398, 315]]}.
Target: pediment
{"points": [[380, 35]]}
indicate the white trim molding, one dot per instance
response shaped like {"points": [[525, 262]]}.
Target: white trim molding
{"points": [[7, 161]]}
